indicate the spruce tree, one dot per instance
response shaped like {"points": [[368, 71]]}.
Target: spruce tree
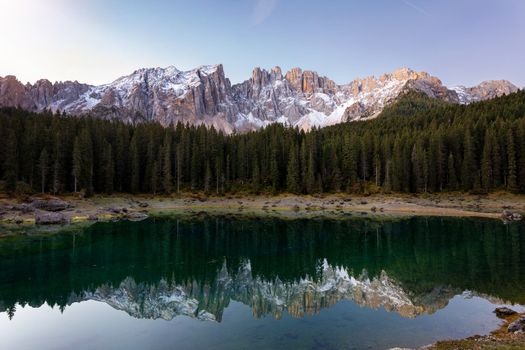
{"points": [[108, 168], [207, 178], [86, 146], [311, 183], [469, 163], [256, 175], [166, 165], [58, 164], [512, 184], [451, 171], [43, 169], [11, 162], [135, 164], [154, 177], [179, 166], [274, 171], [292, 173], [77, 164], [487, 179]]}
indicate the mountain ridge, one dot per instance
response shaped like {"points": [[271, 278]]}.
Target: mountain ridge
{"points": [[204, 95]]}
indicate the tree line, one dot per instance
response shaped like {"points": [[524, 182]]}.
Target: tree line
{"points": [[415, 145]]}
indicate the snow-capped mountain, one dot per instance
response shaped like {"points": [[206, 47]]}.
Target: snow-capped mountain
{"points": [[205, 96], [306, 296]]}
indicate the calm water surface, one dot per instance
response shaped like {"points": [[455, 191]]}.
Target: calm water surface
{"points": [[228, 283]]}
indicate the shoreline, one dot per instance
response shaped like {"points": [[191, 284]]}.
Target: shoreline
{"points": [[499, 339], [19, 212]]}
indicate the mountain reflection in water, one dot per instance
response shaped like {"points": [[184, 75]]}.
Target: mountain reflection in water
{"points": [[162, 268]]}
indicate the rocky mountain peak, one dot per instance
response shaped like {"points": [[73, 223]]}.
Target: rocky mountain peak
{"points": [[485, 90], [406, 74], [204, 95]]}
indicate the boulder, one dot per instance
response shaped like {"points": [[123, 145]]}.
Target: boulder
{"points": [[114, 210], [50, 205], [50, 218], [518, 325], [503, 312], [24, 208], [509, 216]]}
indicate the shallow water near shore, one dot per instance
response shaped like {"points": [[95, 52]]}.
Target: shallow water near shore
{"points": [[241, 283]]}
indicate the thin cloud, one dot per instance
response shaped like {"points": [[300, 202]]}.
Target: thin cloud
{"points": [[415, 7], [262, 10]]}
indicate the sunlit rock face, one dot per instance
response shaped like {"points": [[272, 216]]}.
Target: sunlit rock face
{"points": [[305, 296], [204, 95], [486, 90]]}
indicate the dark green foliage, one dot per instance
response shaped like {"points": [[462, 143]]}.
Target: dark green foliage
{"points": [[43, 168], [293, 180], [416, 145], [11, 162]]}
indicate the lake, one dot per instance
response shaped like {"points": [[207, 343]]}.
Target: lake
{"points": [[244, 283]]}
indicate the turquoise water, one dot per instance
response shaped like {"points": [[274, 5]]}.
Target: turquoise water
{"points": [[231, 283]]}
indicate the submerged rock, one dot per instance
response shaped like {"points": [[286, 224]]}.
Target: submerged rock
{"points": [[50, 218], [518, 325], [502, 312], [136, 216]]}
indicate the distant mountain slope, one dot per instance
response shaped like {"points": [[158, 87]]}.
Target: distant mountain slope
{"points": [[205, 96]]}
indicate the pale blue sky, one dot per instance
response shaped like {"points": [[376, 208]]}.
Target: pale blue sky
{"points": [[96, 41]]}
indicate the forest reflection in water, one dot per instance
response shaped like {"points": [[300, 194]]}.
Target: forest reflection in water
{"points": [[161, 268]]}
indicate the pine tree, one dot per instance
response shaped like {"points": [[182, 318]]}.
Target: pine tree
{"points": [[43, 169], [154, 177], [77, 163], [520, 150], [292, 174], [274, 171], [58, 179], [207, 178], [256, 175], [349, 161], [135, 164], [337, 179], [311, 183], [388, 176], [364, 158], [451, 171], [496, 162], [108, 168], [487, 178], [179, 166], [195, 166], [150, 159], [377, 166], [122, 158], [86, 145], [469, 163], [166, 165], [512, 184], [11, 162]]}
